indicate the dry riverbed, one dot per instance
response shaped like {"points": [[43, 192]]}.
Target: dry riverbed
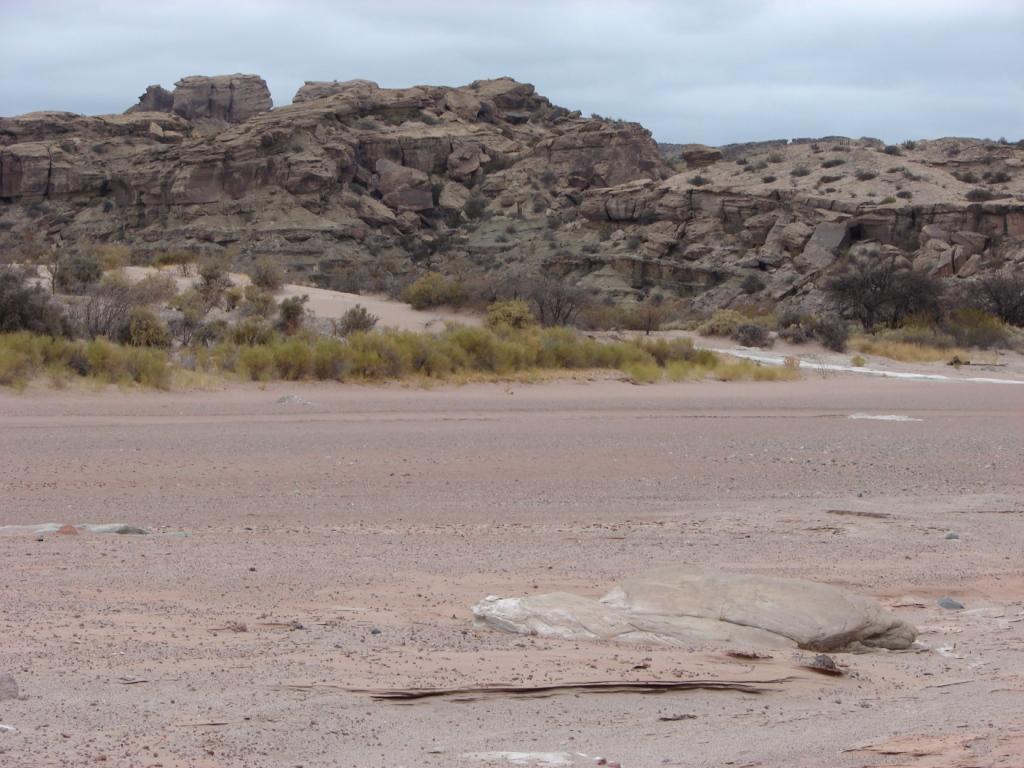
{"points": [[305, 540]]}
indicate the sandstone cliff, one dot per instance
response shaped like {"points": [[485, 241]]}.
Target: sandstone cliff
{"points": [[353, 183]]}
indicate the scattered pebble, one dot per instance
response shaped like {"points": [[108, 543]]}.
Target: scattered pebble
{"points": [[950, 604], [8, 687], [952, 535]]}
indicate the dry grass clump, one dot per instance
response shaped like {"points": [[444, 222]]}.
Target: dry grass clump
{"points": [[906, 351], [24, 356], [458, 353]]}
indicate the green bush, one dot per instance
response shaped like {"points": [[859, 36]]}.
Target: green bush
{"points": [[510, 313], [753, 335], [24, 307], [146, 329], [724, 322], [435, 290], [358, 318], [77, 273], [267, 274], [292, 313], [976, 328]]}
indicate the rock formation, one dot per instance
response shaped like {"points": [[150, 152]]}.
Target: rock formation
{"points": [[352, 180], [680, 606]]}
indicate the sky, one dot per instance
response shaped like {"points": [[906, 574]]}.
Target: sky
{"points": [[706, 71]]}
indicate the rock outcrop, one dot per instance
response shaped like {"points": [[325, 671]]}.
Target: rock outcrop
{"points": [[227, 98], [354, 183], [681, 606]]}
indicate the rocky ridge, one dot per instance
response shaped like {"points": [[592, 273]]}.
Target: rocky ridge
{"points": [[353, 185]]}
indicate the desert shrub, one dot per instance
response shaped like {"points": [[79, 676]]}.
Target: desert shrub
{"points": [[435, 290], [77, 274], [723, 322], [892, 149], [24, 307], [209, 333], [146, 329], [828, 179], [905, 194], [267, 274], [213, 281], [768, 179], [511, 313], [251, 331], [997, 177], [864, 175], [1002, 294], [293, 359], [257, 302], [698, 180], [256, 362], [114, 363], [154, 289], [976, 328], [475, 207], [887, 200], [752, 284], [753, 335], [833, 332], [910, 144], [292, 313], [358, 318], [641, 372], [233, 298], [776, 157], [800, 170], [183, 260], [833, 162], [967, 177], [979, 194], [647, 316], [877, 290]]}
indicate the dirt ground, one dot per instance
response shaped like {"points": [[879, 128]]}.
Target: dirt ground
{"points": [[337, 539]]}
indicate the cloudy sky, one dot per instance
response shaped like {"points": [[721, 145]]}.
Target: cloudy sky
{"points": [[712, 71]]}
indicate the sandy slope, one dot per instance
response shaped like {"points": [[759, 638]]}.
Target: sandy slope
{"points": [[373, 518], [334, 304]]}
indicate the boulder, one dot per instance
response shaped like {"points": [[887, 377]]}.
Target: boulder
{"points": [[453, 197], [795, 235], [404, 189], [973, 242], [465, 160], [681, 605], [699, 155], [231, 98]]}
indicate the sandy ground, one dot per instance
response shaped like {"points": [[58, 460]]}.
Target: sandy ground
{"points": [[333, 304], [348, 530]]}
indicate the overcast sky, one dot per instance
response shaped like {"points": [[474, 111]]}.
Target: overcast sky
{"points": [[712, 71]]}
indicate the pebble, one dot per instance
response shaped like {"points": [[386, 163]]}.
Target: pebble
{"points": [[952, 535], [950, 604]]}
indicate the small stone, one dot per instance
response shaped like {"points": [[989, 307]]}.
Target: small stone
{"points": [[950, 604], [67, 530], [8, 687], [374, 631], [952, 535]]}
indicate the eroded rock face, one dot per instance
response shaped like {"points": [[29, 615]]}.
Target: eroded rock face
{"points": [[231, 98], [494, 176], [681, 606]]}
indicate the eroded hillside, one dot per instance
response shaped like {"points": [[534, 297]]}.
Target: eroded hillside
{"points": [[359, 187]]}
